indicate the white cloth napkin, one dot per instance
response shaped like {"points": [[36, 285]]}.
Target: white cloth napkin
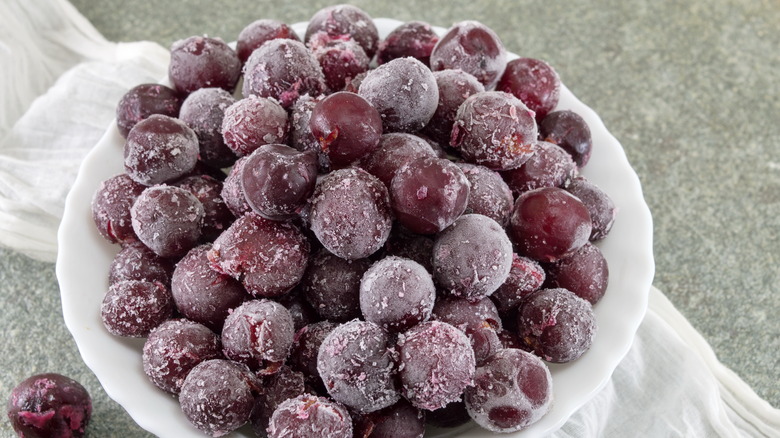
{"points": [[60, 81]]}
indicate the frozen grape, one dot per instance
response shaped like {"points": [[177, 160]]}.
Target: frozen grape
{"points": [[217, 217], [49, 406], [436, 364], [284, 70], [111, 208], [168, 220], [472, 257], [428, 194], [511, 391], [174, 348], [401, 420], [306, 347], [396, 294], [301, 137], [356, 364], [332, 285], [478, 320], [217, 396], [549, 166], [341, 60], [346, 126], [525, 276], [258, 333], [494, 129], [570, 131], [455, 86], [133, 308], [600, 206], [534, 82], [585, 273], [278, 180], [268, 257], [548, 224], [309, 416], [350, 213], [341, 22], [137, 262], [233, 191], [414, 38], [556, 325], [489, 195], [254, 122], [203, 62], [144, 100], [258, 32], [203, 294], [277, 388], [474, 48], [159, 149], [203, 111], [404, 92], [393, 152]]}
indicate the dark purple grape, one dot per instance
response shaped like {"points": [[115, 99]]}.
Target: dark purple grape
{"points": [[301, 137], [472, 257], [278, 180], [174, 348], [479, 321], [258, 333], [133, 308], [436, 364], [549, 166], [168, 220], [414, 38], [277, 389], [511, 391], [428, 194], [203, 62], [159, 149], [350, 213], [474, 48], [342, 22], [400, 420], [268, 257], [488, 193], [283, 69], [534, 82], [306, 347], [232, 190], [525, 277], [548, 224], [417, 247], [570, 131], [332, 285], [585, 273], [300, 310], [452, 415], [600, 206], [455, 86], [217, 217], [356, 364], [111, 208], [346, 126], [494, 129], [393, 152], [203, 111], [144, 100], [556, 325], [397, 294], [341, 60], [310, 416], [217, 396], [254, 122], [260, 31], [203, 294], [49, 406], [137, 262], [404, 92]]}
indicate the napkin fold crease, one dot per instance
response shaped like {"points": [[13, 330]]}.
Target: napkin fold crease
{"points": [[59, 85]]}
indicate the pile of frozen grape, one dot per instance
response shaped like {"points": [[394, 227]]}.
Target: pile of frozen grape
{"points": [[364, 237]]}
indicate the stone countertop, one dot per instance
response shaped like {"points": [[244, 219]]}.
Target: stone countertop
{"points": [[691, 91]]}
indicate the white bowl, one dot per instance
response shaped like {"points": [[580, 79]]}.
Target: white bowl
{"points": [[84, 258]]}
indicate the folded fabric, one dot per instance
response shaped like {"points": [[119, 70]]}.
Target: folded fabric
{"points": [[60, 84]]}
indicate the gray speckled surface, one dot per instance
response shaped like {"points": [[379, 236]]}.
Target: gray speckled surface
{"points": [[691, 91]]}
